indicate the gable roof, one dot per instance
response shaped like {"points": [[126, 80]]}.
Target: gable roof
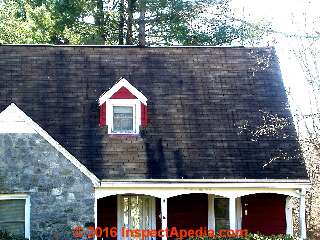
{"points": [[122, 83], [196, 99], [14, 120]]}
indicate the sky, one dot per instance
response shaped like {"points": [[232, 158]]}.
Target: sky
{"points": [[285, 16]]}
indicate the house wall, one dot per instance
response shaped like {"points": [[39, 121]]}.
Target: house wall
{"points": [[61, 196]]}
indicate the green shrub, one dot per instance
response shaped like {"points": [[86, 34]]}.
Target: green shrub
{"points": [[4, 235]]}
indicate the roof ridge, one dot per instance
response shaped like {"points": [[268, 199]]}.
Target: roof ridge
{"points": [[136, 46]]}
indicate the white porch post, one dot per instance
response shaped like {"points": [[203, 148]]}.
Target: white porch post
{"points": [[302, 213], [211, 218], [95, 212], [164, 214], [239, 213], [289, 216], [232, 213]]}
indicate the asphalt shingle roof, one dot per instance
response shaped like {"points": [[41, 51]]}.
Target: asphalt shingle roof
{"points": [[197, 98]]}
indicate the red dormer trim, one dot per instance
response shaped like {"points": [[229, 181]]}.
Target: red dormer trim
{"points": [[123, 93], [102, 115], [144, 115]]}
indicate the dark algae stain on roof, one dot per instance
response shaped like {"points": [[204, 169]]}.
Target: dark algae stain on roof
{"points": [[196, 98]]}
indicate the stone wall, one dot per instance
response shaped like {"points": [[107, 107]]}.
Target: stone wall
{"points": [[61, 196]]}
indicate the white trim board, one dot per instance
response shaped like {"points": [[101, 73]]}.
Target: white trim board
{"points": [[122, 83], [204, 184], [14, 120], [208, 180], [225, 189], [168, 192]]}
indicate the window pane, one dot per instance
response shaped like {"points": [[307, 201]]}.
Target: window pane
{"points": [[122, 110], [221, 213], [122, 119], [136, 213], [12, 216]]}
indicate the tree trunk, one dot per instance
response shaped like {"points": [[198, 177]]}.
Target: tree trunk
{"points": [[100, 21], [121, 23], [142, 23], [130, 22]]}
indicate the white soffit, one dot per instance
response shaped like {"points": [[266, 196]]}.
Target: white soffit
{"points": [[14, 120]]}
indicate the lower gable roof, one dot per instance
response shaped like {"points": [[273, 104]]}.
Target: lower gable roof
{"points": [[14, 120], [196, 99]]}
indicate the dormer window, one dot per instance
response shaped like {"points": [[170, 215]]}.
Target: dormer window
{"points": [[123, 119], [123, 109]]}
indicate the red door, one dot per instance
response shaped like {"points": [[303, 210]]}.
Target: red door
{"points": [[188, 211], [264, 213]]}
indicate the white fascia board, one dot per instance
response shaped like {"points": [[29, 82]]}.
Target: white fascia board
{"points": [[13, 116], [220, 187], [208, 180], [205, 183], [122, 83], [167, 192]]}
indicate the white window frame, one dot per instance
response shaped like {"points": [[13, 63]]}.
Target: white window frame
{"points": [[26, 209], [120, 208], [211, 211], [134, 103]]}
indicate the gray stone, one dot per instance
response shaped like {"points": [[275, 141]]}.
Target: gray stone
{"points": [[61, 195]]}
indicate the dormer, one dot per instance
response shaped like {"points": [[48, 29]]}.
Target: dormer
{"points": [[123, 109]]}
